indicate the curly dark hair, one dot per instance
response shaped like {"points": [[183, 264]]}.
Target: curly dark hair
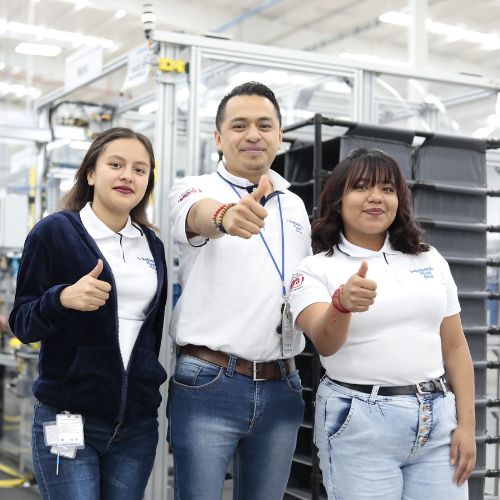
{"points": [[373, 166], [81, 192]]}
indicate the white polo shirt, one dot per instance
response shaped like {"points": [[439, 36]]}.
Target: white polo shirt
{"points": [[231, 291], [134, 271], [397, 341]]}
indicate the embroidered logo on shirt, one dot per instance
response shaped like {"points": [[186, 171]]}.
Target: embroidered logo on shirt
{"points": [[297, 280], [298, 227], [150, 262], [187, 193], [425, 272]]}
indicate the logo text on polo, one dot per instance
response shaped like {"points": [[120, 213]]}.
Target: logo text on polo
{"points": [[150, 262], [425, 272]]}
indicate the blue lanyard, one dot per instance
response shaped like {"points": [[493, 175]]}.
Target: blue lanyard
{"points": [[282, 272]]}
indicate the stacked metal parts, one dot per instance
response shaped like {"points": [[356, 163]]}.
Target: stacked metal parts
{"points": [[448, 179], [450, 201]]}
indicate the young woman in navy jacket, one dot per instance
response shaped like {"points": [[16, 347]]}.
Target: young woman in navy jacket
{"points": [[92, 288]]}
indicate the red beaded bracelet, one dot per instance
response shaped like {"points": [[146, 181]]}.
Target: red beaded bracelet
{"points": [[336, 304], [215, 214], [218, 215]]}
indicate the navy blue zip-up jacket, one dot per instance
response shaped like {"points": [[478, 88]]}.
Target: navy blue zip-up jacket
{"points": [[80, 366]]}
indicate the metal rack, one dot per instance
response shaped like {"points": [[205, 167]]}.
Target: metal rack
{"points": [[317, 160]]}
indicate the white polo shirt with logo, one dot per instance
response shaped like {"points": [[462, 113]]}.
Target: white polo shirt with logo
{"points": [[134, 271], [397, 341], [231, 291]]}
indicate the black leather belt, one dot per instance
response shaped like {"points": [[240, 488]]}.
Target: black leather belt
{"points": [[265, 370], [437, 385]]}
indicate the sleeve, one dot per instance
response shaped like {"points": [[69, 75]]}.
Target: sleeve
{"points": [[38, 312], [452, 303], [306, 288], [307, 225], [183, 195]]}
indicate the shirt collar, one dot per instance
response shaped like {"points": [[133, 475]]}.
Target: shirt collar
{"points": [[98, 230], [277, 181], [348, 248]]}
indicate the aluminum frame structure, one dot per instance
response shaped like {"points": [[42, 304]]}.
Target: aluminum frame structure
{"points": [[198, 48]]}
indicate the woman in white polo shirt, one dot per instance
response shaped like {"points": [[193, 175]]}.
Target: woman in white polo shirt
{"points": [[92, 288], [395, 410]]}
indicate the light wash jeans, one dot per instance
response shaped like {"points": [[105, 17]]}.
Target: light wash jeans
{"points": [[385, 447], [112, 466], [216, 415]]}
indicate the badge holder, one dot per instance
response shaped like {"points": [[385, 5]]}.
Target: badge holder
{"points": [[288, 332], [64, 436]]}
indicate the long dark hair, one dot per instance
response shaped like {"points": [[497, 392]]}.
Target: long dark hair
{"points": [[373, 166], [81, 193]]}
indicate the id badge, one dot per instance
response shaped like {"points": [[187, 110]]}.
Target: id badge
{"points": [[64, 451], [287, 331], [70, 429]]}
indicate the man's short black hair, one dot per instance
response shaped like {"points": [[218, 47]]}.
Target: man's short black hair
{"points": [[248, 88]]}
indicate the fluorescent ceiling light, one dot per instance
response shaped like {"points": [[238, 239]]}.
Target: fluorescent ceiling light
{"points": [[19, 90], [372, 59], [120, 13], [452, 33], [33, 92], [42, 33], [38, 49]]}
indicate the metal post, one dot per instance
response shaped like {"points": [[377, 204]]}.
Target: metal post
{"points": [[363, 99], [165, 141], [193, 123]]}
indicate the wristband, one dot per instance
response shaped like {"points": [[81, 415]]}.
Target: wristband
{"points": [[336, 304]]}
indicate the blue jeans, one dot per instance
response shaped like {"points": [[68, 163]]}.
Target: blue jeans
{"points": [[385, 447], [112, 466], [216, 415]]}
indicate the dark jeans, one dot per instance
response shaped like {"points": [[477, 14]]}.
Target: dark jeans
{"points": [[108, 468]]}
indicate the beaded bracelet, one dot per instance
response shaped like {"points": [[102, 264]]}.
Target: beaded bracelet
{"points": [[218, 215], [336, 304]]}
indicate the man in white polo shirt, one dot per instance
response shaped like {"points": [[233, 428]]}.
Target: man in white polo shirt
{"points": [[235, 393]]}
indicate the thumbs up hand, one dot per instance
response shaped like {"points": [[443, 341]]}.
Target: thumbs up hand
{"points": [[246, 218], [359, 293], [88, 293]]}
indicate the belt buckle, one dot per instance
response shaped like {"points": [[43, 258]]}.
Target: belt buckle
{"points": [[443, 386], [254, 374], [419, 388]]}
